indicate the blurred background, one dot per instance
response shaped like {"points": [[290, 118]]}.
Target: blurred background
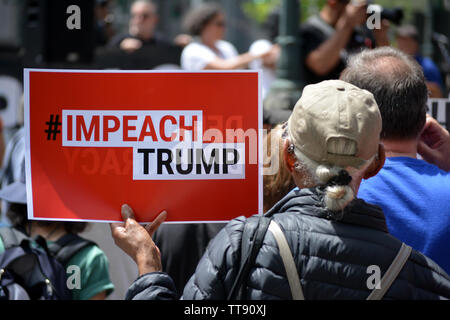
{"points": [[34, 34], [31, 34]]}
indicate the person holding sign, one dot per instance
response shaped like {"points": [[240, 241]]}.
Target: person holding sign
{"points": [[319, 241]]}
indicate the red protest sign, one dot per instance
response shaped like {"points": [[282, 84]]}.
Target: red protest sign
{"points": [[183, 142]]}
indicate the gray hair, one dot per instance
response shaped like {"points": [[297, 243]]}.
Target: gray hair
{"points": [[398, 85], [337, 197]]}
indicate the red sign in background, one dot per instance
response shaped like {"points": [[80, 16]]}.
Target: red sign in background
{"points": [[91, 183]]}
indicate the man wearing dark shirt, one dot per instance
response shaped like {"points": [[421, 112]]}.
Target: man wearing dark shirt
{"points": [[328, 39], [141, 31], [141, 47]]}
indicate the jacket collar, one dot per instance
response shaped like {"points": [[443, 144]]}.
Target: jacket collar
{"points": [[310, 202]]}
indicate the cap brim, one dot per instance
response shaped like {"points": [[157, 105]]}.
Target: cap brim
{"points": [[15, 192]]}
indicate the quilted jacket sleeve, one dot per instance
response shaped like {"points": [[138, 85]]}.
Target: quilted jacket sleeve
{"points": [[152, 286], [213, 277]]}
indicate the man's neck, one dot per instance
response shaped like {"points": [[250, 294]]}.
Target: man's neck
{"points": [[401, 148]]}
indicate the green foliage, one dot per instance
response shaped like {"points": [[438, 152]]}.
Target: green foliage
{"points": [[258, 10], [310, 7]]}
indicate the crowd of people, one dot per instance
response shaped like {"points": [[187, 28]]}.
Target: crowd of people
{"points": [[362, 180], [328, 38], [338, 140]]}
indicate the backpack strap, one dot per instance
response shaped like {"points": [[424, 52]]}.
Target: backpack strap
{"points": [[252, 239], [12, 237], [392, 273], [251, 248], [67, 246], [294, 282], [288, 261]]}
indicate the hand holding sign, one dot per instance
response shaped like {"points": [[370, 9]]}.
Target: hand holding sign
{"points": [[136, 240]]}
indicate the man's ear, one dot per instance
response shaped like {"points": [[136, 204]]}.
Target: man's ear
{"points": [[376, 164], [288, 157]]}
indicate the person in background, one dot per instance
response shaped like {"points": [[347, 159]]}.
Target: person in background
{"points": [[2, 147], [206, 23], [94, 276], [11, 167], [413, 193], [330, 37], [142, 28], [408, 41], [268, 65], [103, 28], [277, 180]]}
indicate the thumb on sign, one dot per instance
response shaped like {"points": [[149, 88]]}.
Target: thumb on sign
{"points": [[135, 240], [152, 227]]}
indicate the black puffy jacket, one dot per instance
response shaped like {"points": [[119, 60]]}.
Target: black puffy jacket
{"points": [[332, 258]]}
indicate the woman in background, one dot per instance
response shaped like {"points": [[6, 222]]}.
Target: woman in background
{"points": [[277, 180], [208, 50]]}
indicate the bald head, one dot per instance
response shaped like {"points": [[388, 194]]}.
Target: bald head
{"points": [[390, 69], [398, 85], [390, 65]]}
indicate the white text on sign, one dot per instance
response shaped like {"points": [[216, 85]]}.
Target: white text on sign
{"points": [[167, 145]]}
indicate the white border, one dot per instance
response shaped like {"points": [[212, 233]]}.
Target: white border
{"points": [[121, 221], [138, 71], [260, 145], [26, 109], [26, 77]]}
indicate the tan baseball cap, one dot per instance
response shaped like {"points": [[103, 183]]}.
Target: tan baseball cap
{"points": [[335, 109]]}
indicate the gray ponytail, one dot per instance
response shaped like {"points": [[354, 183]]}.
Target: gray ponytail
{"points": [[337, 194], [337, 197]]}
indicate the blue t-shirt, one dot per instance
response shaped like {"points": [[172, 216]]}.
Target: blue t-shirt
{"points": [[415, 198]]}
